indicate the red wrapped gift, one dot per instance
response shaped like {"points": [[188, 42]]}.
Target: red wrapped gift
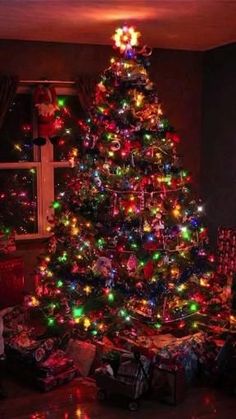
{"points": [[50, 382], [11, 281], [226, 251]]}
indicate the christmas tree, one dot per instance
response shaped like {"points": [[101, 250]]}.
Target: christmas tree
{"points": [[128, 241]]}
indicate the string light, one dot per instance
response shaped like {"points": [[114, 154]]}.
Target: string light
{"points": [[128, 237]]}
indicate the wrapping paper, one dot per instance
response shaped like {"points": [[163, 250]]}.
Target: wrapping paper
{"points": [[83, 355]]}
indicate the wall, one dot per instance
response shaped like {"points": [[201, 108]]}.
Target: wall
{"points": [[218, 163], [179, 80]]}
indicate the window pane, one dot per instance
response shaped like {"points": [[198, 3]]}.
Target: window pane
{"points": [[18, 200], [61, 178], [69, 113], [16, 132]]}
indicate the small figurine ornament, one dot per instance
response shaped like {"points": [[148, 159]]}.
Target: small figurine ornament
{"points": [[102, 266], [45, 103], [132, 263]]}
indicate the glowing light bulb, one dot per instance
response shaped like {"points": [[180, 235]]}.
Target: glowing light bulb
{"points": [[78, 311], [193, 307], [51, 321], [111, 297], [87, 289], [87, 323], [56, 205]]}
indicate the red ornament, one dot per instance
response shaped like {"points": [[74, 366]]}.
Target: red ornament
{"points": [[151, 246], [173, 137], [148, 270]]}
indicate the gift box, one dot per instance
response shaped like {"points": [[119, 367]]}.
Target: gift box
{"points": [[58, 369], [226, 251], [11, 281], [27, 350], [57, 363], [52, 381], [83, 355], [14, 319], [39, 361]]}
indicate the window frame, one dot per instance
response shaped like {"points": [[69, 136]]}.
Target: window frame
{"points": [[45, 165]]}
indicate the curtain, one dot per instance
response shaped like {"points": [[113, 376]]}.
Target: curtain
{"points": [[8, 87], [86, 89]]}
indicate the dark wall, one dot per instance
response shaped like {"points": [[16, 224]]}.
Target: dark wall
{"points": [[178, 74], [218, 162]]}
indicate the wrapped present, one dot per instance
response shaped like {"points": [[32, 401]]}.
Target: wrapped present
{"points": [[182, 353], [55, 364], [14, 317], [83, 355], [226, 251], [49, 382], [29, 351]]}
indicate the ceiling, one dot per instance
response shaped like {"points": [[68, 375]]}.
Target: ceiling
{"points": [[189, 24]]}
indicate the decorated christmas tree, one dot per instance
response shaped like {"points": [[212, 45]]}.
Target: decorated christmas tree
{"points": [[128, 242]]}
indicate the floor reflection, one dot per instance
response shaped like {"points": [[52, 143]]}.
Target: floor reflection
{"points": [[77, 400]]}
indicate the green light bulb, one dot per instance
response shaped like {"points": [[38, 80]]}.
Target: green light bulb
{"points": [[62, 258], [51, 321], [56, 204], [193, 307], [111, 297], [78, 311], [101, 242], [156, 255], [186, 234], [61, 102]]}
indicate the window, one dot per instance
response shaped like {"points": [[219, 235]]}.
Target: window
{"points": [[31, 176]]}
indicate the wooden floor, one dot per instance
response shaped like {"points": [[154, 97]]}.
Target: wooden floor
{"points": [[78, 400]]}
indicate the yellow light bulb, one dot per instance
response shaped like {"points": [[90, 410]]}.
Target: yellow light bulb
{"points": [[176, 211], [87, 289], [74, 231], [87, 322]]}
